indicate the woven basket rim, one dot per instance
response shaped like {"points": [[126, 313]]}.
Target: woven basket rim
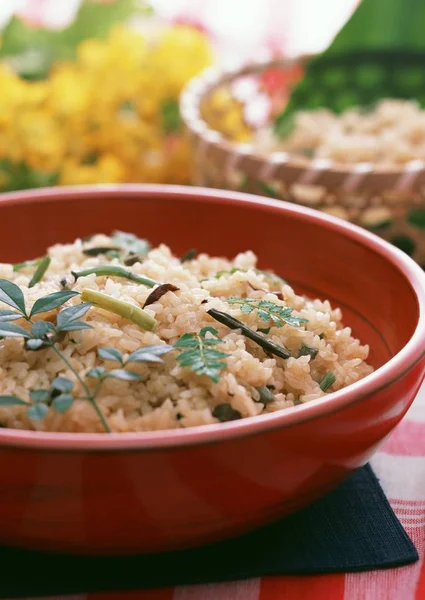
{"points": [[363, 174]]}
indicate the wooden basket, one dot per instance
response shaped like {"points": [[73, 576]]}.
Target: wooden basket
{"points": [[388, 201]]}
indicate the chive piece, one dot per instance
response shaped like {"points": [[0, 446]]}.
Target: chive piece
{"points": [[190, 255], [100, 250], [225, 412], [43, 265], [266, 330], [119, 307], [27, 263], [322, 336], [116, 271], [266, 395], [308, 351], [234, 323], [328, 380]]}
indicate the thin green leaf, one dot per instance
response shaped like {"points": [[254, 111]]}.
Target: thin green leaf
{"points": [[62, 384], [150, 354], [190, 255], [42, 267], [110, 354], [96, 372], [40, 395], [73, 313], [9, 315], [268, 311], [9, 330], [37, 412], [100, 250], [124, 375], [52, 301], [63, 402], [327, 381], [11, 401], [12, 295]]}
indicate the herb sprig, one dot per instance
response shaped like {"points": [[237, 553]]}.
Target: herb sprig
{"points": [[44, 334], [268, 311], [198, 352]]}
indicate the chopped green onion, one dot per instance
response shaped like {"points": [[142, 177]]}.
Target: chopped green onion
{"points": [[119, 307], [265, 394], [43, 265], [116, 271], [308, 351], [327, 381]]}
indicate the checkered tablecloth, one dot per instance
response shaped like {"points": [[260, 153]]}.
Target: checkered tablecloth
{"points": [[400, 466]]}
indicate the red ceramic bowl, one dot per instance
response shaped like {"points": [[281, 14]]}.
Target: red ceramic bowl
{"points": [[98, 493]]}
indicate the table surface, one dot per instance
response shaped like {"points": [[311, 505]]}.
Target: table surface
{"points": [[400, 467]]}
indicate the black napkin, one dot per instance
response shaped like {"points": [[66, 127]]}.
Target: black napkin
{"points": [[351, 529]]}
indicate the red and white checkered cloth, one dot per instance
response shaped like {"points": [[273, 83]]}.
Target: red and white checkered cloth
{"points": [[400, 467]]}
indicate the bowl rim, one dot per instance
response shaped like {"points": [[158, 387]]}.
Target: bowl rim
{"points": [[383, 377], [290, 168]]}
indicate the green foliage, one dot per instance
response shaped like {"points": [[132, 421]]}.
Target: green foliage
{"points": [[197, 352], [268, 311]]}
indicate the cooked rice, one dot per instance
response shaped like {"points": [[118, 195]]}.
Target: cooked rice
{"points": [[392, 133], [171, 396]]}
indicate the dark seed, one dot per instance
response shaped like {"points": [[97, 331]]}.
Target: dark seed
{"points": [[159, 292]]}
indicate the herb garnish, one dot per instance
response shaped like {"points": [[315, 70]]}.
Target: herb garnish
{"points": [[308, 351], [259, 339], [119, 307], [225, 412], [96, 251], [190, 255], [42, 267], [197, 353], [327, 381], [130, 243], [45, 334], [266, 395], [115, 271], [27, 263], [158, 292], [268, 311]]}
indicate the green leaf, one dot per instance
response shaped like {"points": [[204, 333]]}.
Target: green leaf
{"points": [[110, 354], [37, 412], [100, 250], [327, 381], [42, 267], [41, 328], [12, 295], [150, 354], [63, 402], [266, 395], [124, 375], [40, 395], [268, 311], [11, 401], [190, 255], [52, 301], [96, 372], [71, 314], [9, 315], [196, 354], [9, 330], [62, 384]]}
